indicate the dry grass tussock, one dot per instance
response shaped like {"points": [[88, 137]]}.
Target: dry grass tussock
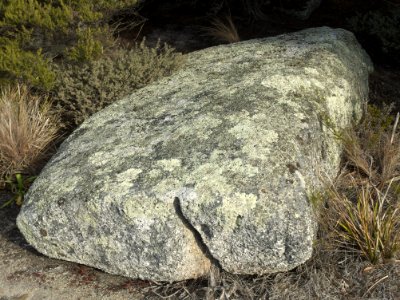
{"points": [[27, 128], [365, 220], [362, 210], [223, 30], [356, 251]]}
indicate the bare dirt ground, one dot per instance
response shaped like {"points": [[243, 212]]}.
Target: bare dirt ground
{"points": [[26, 274]]}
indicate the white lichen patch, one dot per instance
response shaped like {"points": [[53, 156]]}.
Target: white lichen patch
{"points": [[283, 82], [296, 50], [114, 187], [85, 215], [128, 176], [339, 107], [299, 116], [213, 183], [118, 184], [105, 242], [311, 71], [236, 117], [301, 179], [237, 166], [289, 83], [165, 186], [237, 205], [92, 208], [100, 158], [257, 138], [202, 127], [103, 171], [229, 91], [145, 210], [212, 178], [154, 173], [67, 184], [169, 165]]}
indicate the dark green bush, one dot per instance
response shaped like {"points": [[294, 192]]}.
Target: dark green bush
{"points": [[82, 90], [32, 32], [383, 25]]}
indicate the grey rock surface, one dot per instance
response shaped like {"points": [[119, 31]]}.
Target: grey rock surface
{"points": [[214, 163]]}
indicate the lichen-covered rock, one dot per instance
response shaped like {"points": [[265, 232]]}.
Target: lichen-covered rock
{"points": [[213, 163]]}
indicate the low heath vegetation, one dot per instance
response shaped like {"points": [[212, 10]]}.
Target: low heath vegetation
{"points": [[34, 32], [82, 90]]}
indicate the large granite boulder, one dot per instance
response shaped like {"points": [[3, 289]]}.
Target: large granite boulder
{"points": [[211, 165]]}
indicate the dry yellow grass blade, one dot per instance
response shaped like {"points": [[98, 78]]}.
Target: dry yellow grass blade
{"points": [[27, 127], [223, 30]]}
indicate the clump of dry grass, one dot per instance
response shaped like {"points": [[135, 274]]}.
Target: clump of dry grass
{"points": [[366, 222], [27, 127], [362, 210], [223, 30]]}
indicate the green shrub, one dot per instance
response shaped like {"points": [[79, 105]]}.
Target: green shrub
{"points": [[86, 48], [82, 90], [35, 31], [19, 65], [33, 13]]}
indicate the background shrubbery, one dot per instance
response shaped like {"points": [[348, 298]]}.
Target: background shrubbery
{"points": [[80, 91], [33, 32]]}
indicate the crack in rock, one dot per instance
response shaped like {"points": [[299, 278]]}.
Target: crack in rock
{"points": [[197, 236]]}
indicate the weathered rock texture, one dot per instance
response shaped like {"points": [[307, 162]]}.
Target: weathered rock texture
{"points": [[214, 162]]}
